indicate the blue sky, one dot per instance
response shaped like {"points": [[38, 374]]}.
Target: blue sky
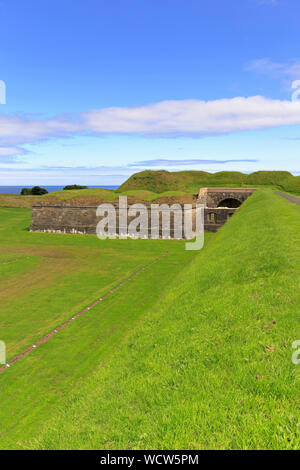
{"points": [[97, 90]]}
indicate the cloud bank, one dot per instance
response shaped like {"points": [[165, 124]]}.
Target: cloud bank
{"points": [[166, 162], [186, 118]]}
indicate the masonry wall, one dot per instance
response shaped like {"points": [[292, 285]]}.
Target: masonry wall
{"points": [[214, 218], [68, 218], [64, 218], [212, 197]]}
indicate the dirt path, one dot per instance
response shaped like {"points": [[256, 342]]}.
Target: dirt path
{"points": [[66, 323], [294, 199], [9, 262], [13, 261]]}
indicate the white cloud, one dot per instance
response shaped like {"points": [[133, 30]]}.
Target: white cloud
{"points": [[10, 151], [194, 117], [187, 162], [186, 118], [11, 154], [15, 130], [278, 70]]}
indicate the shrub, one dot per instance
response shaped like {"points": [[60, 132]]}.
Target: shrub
{"points": [[26, 192], [37, 191], [74, 186]]}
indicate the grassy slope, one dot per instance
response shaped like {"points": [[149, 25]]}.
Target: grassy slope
{"points": [[164, 186], [15, 200], [206, 368], [95, 195], [191, 181], [54, 277]]}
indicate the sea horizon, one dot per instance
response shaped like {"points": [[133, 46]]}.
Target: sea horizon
{"points": [[16, 189]]}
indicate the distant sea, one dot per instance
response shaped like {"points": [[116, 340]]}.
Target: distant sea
{"points": [[50, 189]]}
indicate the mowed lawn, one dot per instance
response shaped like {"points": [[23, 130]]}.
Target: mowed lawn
{"points": [[44, 280], [210, 365]]}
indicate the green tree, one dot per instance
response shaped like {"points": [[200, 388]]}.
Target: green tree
{"points": [[37, 191], [26, 192], [74, 186]]}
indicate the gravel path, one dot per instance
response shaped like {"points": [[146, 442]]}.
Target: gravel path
{"points": [[294, 199]]}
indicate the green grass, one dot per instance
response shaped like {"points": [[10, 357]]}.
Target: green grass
{"points": [[105, 194], [194, 353], [163, 186], [209, 366], [16, 200], [111, 195], [54, 277], [94, 195], [191, 181]]}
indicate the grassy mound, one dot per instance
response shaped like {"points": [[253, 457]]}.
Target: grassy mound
{"points": [[191, 181], [16, 200], [95, 196], [161, 187], [210, 364], [98, 195]]}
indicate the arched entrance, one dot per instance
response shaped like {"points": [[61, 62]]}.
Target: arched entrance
{"points": [[230, 202]]}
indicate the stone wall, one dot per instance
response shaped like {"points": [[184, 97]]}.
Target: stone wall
{"points": [[216, 199], [213, 197], [214, 218], [66, 217], [63, 218]]}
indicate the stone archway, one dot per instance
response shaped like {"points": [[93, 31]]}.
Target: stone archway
{"points": [[230, 202]]}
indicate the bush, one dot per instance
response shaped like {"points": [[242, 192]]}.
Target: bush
{"points": [[26, 192], [37, 191], [74, 186]]}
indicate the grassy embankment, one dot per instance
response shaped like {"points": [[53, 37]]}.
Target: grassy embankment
{"points": [[16, 200], [191, 181], [164, 187], [46, 279], [95, 195], [210, 364]]}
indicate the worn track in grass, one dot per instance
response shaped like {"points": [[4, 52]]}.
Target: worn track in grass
{"points": [[289, 197], [66, 323]]}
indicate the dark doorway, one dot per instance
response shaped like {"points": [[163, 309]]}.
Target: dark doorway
{"points": [[230, 202]]}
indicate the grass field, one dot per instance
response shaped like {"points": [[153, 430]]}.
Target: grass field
{"points": [[194, 353], [210, 366], [45, 280]]}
